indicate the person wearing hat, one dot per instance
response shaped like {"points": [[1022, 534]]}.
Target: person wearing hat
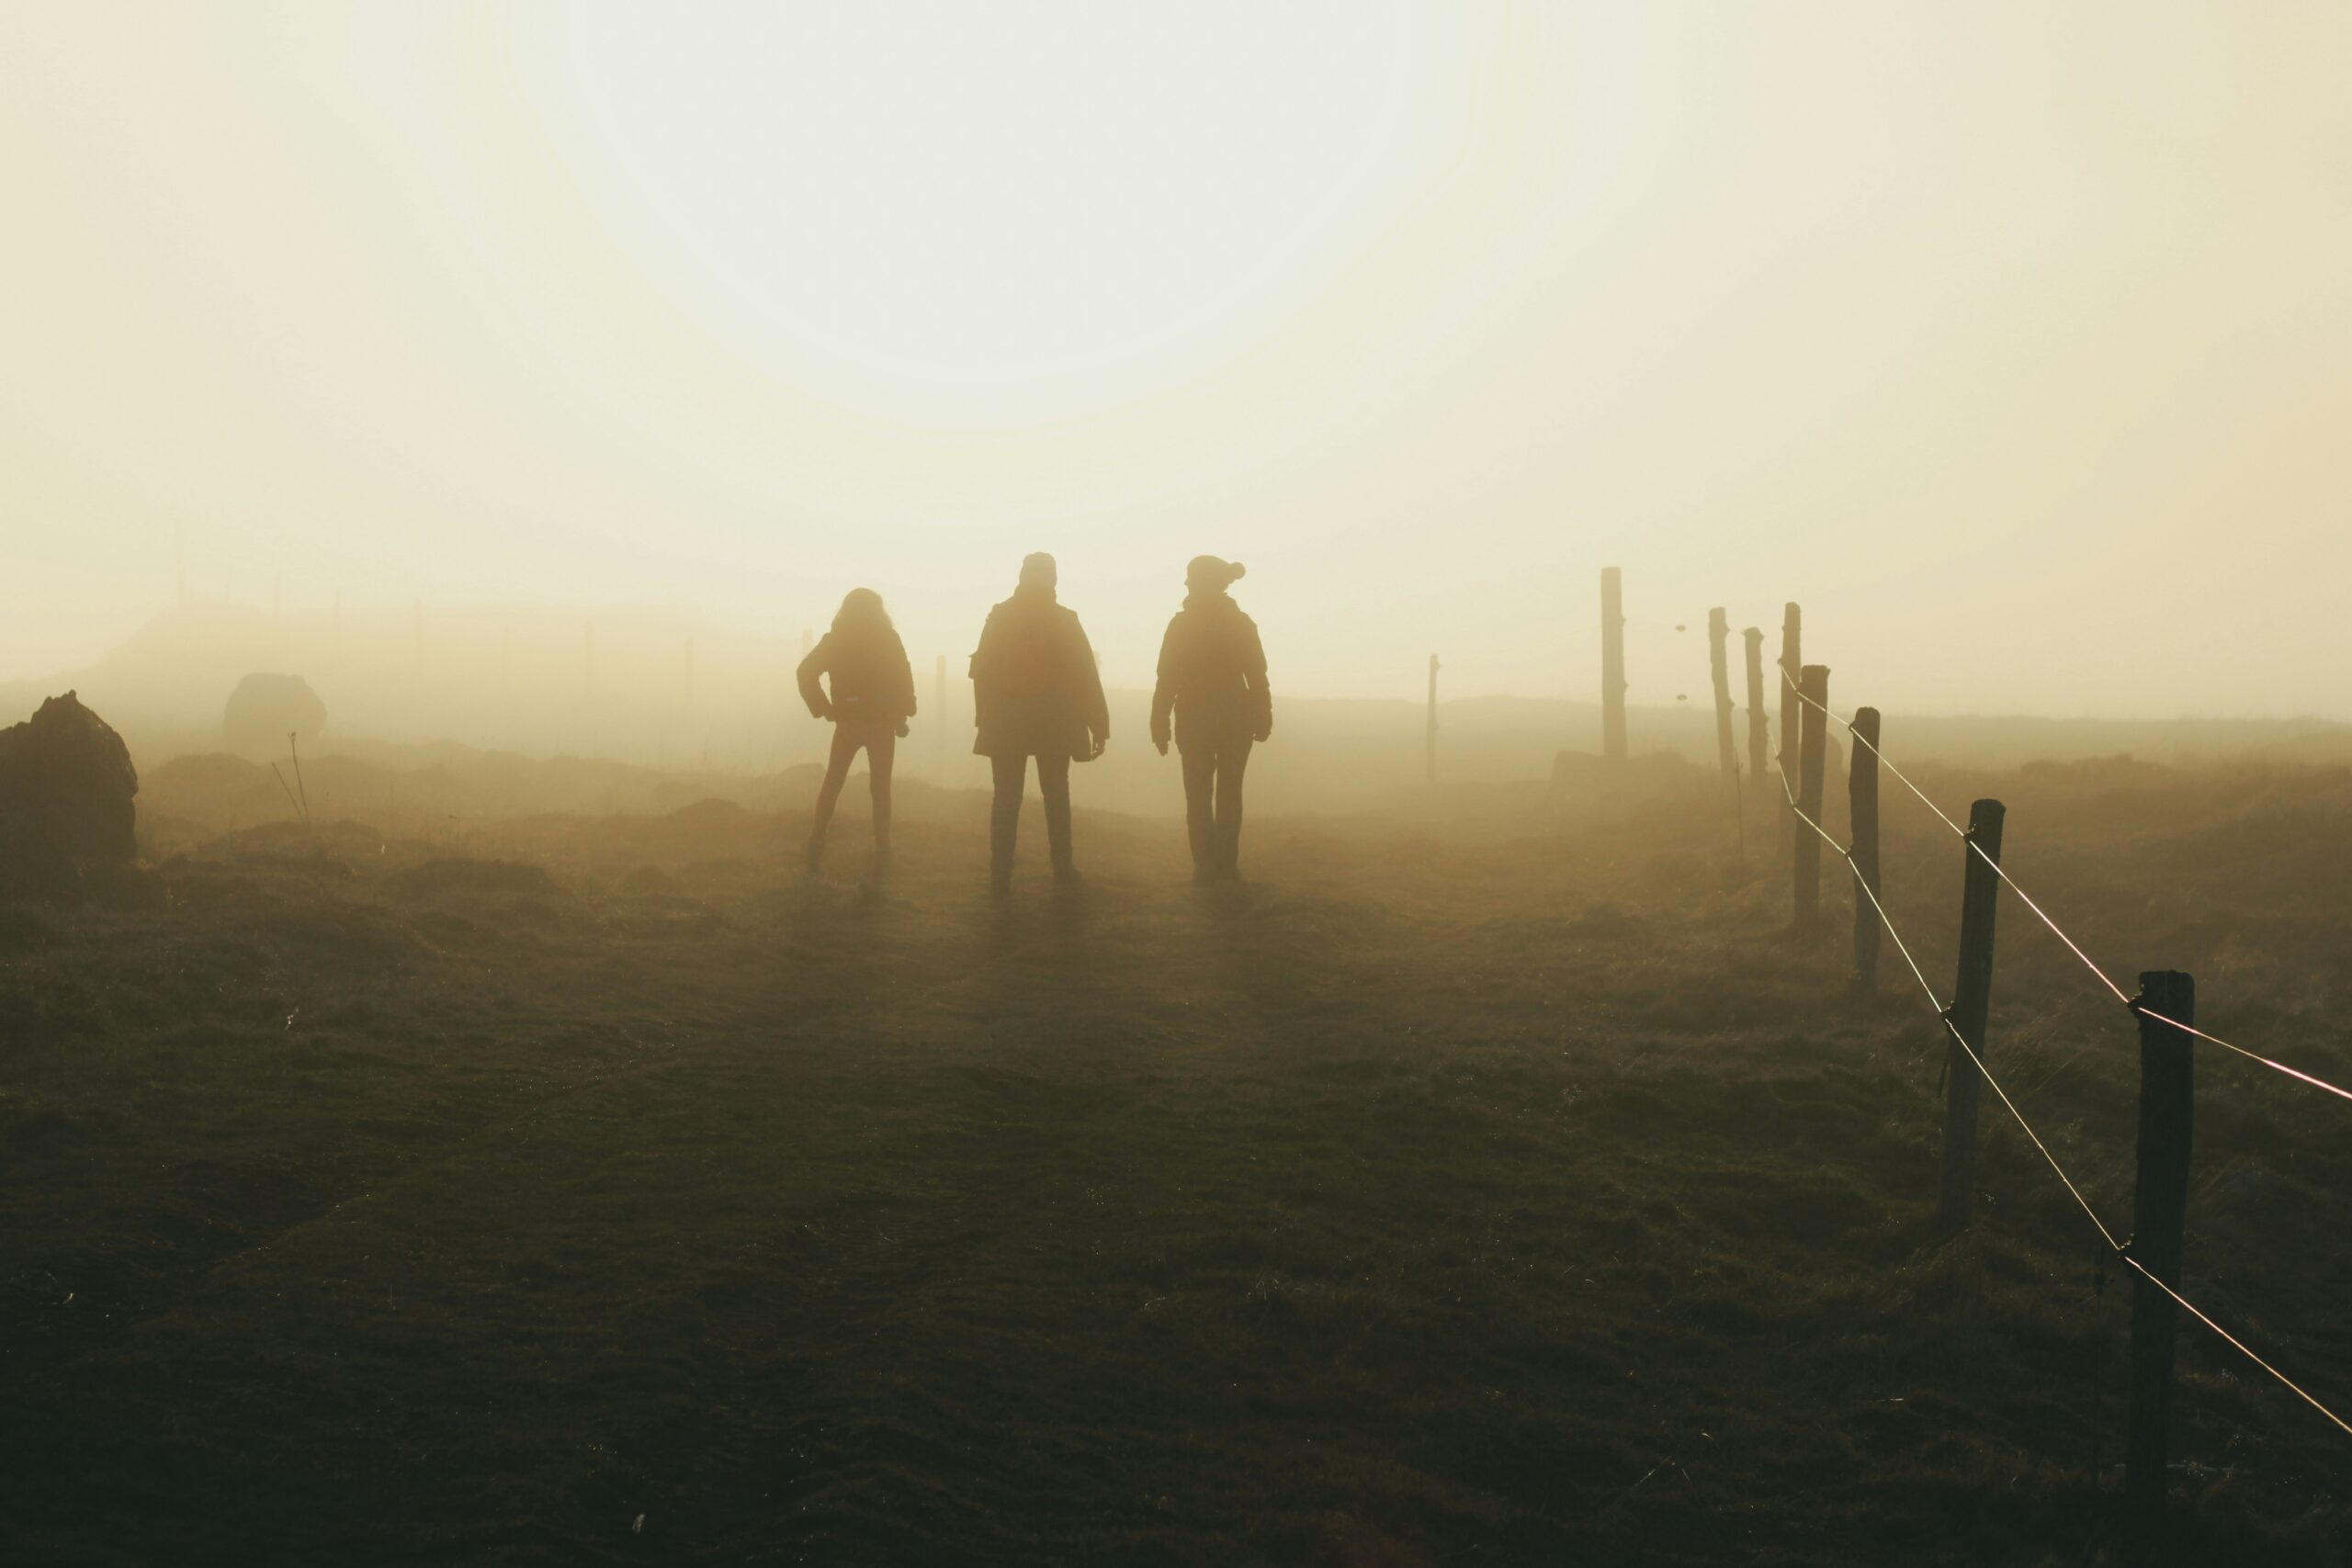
{"points": [[1213, 686], [1035, 692]]}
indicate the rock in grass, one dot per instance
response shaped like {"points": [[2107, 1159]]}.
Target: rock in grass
{"points": [[66, 789]]}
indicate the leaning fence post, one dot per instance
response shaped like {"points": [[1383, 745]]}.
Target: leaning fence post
{"points": [[1861, 805], [2159, 1207], [1612, 664], [1972, 999], [1760, 759], [1814, 682]]}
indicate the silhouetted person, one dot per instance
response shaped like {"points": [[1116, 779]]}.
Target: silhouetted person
{"points": [[1035, 692], [873, 696], [1212, 680]]}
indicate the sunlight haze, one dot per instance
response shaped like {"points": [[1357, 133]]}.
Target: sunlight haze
{"points": [[2008, 339]]}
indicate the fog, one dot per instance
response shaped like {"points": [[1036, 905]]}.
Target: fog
{"points": [[2008, 339], [631, 638]]}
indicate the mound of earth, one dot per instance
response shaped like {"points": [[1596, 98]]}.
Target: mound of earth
{"points": [[66, 794], [265, 709]]}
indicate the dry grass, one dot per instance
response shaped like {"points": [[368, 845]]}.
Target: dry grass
{"points": [[1489, 1182]]}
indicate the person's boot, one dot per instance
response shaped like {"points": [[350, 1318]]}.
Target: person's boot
{"points": [[814, 857]]}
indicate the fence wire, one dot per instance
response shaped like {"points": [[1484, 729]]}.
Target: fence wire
{"points": [[2043, 915], [1943, 1015]]}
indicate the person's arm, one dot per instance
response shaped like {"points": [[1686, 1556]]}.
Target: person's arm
{"points": [[905, 676], [1098, 710], [1163, 690], [1261, 697], [812, 691], [983, 670]]}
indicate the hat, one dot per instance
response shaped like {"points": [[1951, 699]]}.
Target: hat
{"points": [[1208, 572]]}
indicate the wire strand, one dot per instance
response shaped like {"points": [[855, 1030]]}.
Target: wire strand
{"points": [[1944, 1017], [2043, 915], [1904, 778], [2300, 1392], [2250, 1055]]}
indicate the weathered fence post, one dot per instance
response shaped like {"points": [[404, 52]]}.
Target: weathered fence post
{"points": [[1759, 744], [1612, 664], [1431, 748], [2159, 1207], [1861, 805], [1790, 622], [1814, 682], [1972, 999], [1719, 664]]}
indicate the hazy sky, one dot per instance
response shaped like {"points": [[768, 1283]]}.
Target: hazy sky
{"points": [[2015, 341]]}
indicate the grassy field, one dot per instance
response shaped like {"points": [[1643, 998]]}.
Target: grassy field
{"points": [[1493, 1180]]}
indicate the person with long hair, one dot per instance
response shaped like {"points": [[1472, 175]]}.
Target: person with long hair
{"points": [[1035, 692], [1213, 686], [872, 697]]}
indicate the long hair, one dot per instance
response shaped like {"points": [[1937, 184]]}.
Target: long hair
{"points": [[861, 613]]}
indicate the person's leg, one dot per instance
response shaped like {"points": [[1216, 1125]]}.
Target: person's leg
{"points": [[1052, 782], [829, 794], [1231, 760], [1200, 779], [881, 750], [1004, 815]]}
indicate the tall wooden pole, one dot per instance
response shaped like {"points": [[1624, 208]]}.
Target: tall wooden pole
{"points": [[1719, 665], [1430, 749], [2159, 1209], [1612, 664], [1760, 741], [1814, 680], [1972, 999], [1861, 801], [1789, 650]]}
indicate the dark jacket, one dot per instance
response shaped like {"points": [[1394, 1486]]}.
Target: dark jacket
{"points": [[1212, 675], [872, 682], [1035, 691]]}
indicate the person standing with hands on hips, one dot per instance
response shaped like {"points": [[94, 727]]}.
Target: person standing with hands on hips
{"points": [[873, 696], [1035, 692], [1213, 684]]}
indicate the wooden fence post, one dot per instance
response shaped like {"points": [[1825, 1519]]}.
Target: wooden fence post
{"points": [[2159, 1208], [1759, 744], [1814, 682], [1431, 748], [1719, 664], [1612, 664], [1972, 999], [1861, 803], [1791, 623]]}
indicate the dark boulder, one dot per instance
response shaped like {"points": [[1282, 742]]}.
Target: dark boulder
{"points": [[66, 785], [265, 709]]}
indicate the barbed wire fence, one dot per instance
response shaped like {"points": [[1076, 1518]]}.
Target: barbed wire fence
{"points": [[2161, 1011]]}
